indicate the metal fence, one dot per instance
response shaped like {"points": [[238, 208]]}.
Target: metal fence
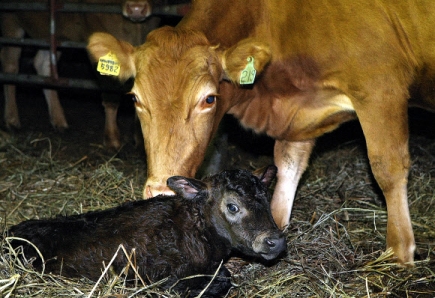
{"points": [[54, 7]]}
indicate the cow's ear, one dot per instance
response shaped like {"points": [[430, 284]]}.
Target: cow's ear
{"points": [[236, 59], [185, 187], [267, 175], [100, 44]]}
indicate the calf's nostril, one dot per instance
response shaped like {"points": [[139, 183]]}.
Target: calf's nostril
{"points": [[271, 243]]}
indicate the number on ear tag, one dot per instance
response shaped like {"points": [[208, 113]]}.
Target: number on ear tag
{"points": [[247, 77], [109, 65]]}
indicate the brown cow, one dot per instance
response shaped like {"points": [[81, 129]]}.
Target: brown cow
{"points": [[73, 27], [318, 65]]}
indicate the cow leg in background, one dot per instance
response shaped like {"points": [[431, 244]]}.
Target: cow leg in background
{"points": [[10, 60], [385, 125], [112, 137], [111, 101], [10, 57], [55, 110], [291, 158]]}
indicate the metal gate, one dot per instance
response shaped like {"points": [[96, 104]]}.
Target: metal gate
{"points": [[54, 7]]}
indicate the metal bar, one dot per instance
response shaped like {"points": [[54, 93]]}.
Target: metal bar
{"points": [[66, 7], [55, 82], [39, 43], [60, 83], [170, 10], [53, 50]]}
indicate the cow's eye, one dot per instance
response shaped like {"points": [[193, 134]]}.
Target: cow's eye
{"points": [[233, 208], [210, 99], [133, 96], [208, 103]]}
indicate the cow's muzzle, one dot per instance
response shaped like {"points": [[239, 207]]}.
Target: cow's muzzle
{"points": [[153, 189]]}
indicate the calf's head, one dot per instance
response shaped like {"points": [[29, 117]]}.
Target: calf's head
{"points": [[237, 208], [177, 78]]}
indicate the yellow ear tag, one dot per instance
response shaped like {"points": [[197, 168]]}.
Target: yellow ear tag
{"points": [[109, 65], [247, 77]]}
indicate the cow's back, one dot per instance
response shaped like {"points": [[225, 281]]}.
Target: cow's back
{"points": [[329, 30]]}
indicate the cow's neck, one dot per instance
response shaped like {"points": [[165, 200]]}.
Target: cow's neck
{"points": [[287, 104]]}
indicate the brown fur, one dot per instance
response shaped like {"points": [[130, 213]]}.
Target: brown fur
{"points": [[319, 64]]}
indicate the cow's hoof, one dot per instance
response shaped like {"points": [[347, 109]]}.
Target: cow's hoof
{"points": [[13, 126], [61, 128]]}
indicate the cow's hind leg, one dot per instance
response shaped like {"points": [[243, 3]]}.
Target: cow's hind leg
{"points": [[384, 120], [291, 158], [55, 110]]}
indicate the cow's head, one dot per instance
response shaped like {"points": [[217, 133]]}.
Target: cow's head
{"points": [[177, 93], [237, 208], [137, 10]]}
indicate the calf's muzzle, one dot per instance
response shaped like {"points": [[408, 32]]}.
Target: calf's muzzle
{"points": [[269, 246]]}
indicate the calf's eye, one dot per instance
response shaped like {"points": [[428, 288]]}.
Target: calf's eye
{"points": [[233, 208]]}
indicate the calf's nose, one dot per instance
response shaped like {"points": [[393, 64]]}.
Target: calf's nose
{"points": [[270, 242], [276, 244]]}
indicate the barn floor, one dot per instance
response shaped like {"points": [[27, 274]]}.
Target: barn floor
{"points": [[336, 240]]}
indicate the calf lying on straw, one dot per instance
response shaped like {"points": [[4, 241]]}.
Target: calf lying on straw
{"points": [[173, 236]]}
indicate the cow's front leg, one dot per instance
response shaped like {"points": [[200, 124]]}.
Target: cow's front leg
{"points": [[55, 110], [291, 158], [385, 128]]}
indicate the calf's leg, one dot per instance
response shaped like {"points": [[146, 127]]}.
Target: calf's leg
{"points": [[291, 158], [217, 286]]}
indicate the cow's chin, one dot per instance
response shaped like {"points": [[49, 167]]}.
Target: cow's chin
{"points": [[135, 19], [152, 191]]}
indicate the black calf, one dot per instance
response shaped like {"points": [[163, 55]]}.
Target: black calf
{"points": [[176, 236]]}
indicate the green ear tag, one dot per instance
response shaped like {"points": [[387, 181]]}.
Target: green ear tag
{"points": [[247, 77]]}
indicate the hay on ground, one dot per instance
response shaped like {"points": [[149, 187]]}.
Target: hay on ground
{"points": [[336, 240]]}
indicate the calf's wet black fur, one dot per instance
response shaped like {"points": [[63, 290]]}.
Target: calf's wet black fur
{"points": [[174, 236]]}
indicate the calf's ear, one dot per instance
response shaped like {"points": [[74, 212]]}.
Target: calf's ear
{"points": [[267, 176], [185, 187], [100, 44], [236, 59]]}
